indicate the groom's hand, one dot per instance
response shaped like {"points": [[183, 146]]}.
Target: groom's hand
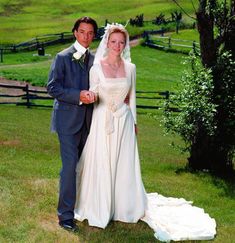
{"points": [[136, 129], [87, 97]]}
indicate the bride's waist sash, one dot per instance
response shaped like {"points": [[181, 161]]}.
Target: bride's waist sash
{"points": [[114, 110]]}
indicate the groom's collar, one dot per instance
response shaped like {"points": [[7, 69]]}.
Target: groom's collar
{"points": [[79, 47]]}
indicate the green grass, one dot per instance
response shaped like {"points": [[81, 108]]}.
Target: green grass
{"points": [[157, 70], [36, 73], [32, 56], [190, 35], [29, 171], [22, 20]]}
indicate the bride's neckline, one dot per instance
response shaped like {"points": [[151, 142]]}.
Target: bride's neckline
{"points": [[114, 69]]}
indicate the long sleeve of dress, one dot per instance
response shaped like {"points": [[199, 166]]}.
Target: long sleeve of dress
{"points": [[132, 100], [94, 80]]}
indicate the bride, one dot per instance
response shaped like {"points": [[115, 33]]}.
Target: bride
{"points": [[109, 184]]}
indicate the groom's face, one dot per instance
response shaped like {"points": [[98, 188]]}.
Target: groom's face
{"points": [[85, 34]]}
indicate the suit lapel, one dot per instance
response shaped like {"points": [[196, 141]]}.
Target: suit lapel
{"points": [[71, 50]]}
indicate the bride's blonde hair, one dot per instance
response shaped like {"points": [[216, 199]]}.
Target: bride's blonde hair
{"points": [[102, 48], [118, 30]]}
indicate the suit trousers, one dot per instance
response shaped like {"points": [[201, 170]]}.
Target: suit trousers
{"points": [[71, 147]]}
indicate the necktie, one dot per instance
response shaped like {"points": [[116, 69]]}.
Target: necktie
{"points": [[86, 58]]}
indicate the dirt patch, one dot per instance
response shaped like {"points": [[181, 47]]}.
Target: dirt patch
{"points": [[16, 93], [134, 42], [10, 143], [9, 8], [18, 83], [50, 223]]}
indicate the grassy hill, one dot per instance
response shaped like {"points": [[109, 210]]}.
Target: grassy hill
{"points": [[24, 19]]}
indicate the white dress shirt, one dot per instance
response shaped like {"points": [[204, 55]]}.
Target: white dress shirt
{"points": [[79, 47]]}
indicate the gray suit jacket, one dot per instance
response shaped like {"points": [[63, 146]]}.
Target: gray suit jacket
{"points": [[66, 80]]}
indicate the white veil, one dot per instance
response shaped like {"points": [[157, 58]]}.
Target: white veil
{"points": [[102, 48]]}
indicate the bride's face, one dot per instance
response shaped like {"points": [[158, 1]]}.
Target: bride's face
{"points": [[116, 43]]}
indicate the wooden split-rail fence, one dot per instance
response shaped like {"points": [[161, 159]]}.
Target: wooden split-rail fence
{"points": [[25, 95]]}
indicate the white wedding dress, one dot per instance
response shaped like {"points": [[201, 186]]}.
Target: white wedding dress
{"points": [[109, 184]]}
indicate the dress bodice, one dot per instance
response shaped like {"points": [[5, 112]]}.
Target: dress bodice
{"points": [[111, 95], [112, 92]]}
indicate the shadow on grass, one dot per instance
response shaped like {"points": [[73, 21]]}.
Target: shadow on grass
{"points": [[226, 182], [116, 232], [119, 232]]}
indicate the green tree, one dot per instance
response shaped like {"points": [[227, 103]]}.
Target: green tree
{"points": [[177, 17], [207, 118]]}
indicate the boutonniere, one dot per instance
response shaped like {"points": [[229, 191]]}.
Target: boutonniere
{"points": [[80, 58]]}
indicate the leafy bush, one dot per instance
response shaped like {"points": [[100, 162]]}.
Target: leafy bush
{"points": [[206, 121], [196, 106], [224, 97]]}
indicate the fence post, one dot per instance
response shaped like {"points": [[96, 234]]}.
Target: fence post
{"points": [[1, 54], [146, 36], [167, 95], [167, 106], [169, 42], [194, 47], [27, 96], [14, 48], [62, 37]]}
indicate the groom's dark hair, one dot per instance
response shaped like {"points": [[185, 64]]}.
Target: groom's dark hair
{"points": [[86, 20]]}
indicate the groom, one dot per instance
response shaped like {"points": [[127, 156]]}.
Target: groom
{"points": [[71, 117]]}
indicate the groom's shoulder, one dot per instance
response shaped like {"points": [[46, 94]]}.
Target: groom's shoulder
{"points": [[66, 51]]}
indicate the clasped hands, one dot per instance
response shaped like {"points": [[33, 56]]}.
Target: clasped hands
{"points": [[87, 97]]}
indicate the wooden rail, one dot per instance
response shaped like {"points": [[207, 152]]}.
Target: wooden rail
{"points": [[164, 42], [28, 96]]}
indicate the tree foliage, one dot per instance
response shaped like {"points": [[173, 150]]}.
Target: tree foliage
{"points": [[194, 102], [207, 101]]}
